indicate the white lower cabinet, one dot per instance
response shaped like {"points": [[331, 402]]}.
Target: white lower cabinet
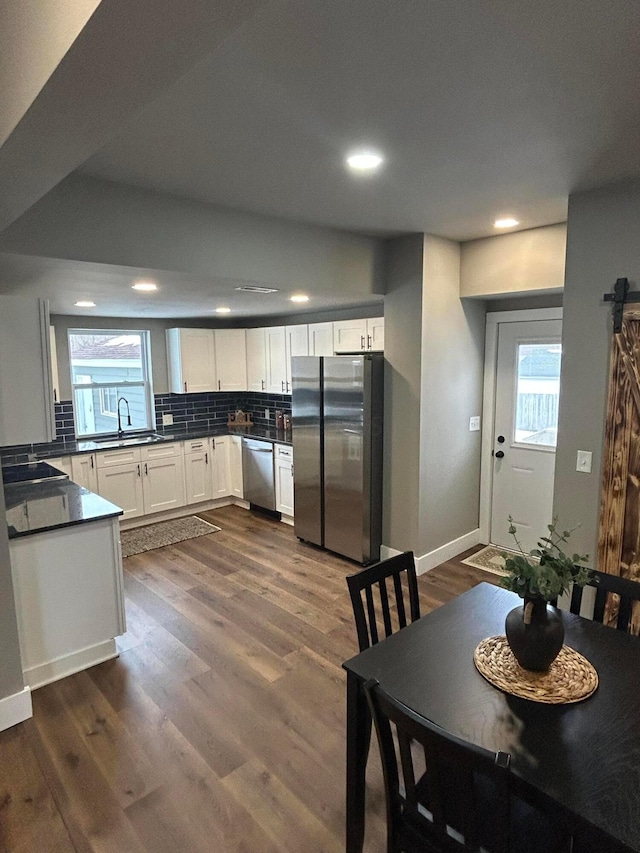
{"points": [[84, 471], [235, 465], [284, 479], [220, 466], [197, 470], [62, 463], [122, 485], [163, 484]]}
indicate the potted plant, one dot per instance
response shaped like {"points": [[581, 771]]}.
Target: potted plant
{"points": [[535, 632]]}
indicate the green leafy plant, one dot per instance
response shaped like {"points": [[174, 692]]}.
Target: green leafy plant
{"points": [[551, 571]]}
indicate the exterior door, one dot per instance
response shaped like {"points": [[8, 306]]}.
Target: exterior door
{"points": [[525, 430]]}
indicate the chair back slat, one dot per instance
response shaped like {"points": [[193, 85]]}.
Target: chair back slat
{"points": [[600, 604], [624, 613], [402, 614], [444, 797], [366, 618], [576, 599], [371, 610], [384, 603]]}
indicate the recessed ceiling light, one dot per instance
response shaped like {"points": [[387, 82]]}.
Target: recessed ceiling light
{"points": [[365, 161], [144, 285], [507, 222], [223, 310], [85, 304], [299, 297], [254, 288]]}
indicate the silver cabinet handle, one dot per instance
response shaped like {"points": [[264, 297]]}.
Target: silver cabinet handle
{"points": [[282, 386], [146, 470], [262, 381], [91, 458], [218, 385], [361, 341], [288, 383], [206, 458], [368, 341], [139, 471], [185, 387], [213, 442]]}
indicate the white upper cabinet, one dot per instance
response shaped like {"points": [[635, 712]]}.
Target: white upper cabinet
{"points": [[358, 335], [276, 355], [191, 361], [26, 386], [231, 359], [256, 360], [321, 339], [297, 343]]}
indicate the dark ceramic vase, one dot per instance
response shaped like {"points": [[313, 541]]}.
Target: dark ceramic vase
{"points": [[535, 634]]}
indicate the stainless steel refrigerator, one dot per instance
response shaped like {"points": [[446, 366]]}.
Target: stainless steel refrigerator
{"points": [[337, 408]]}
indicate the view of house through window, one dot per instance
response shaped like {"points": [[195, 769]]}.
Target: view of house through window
{"points": [[538, 392], [107, 366]]}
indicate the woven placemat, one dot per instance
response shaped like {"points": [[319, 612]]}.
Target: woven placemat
{"points": [[570, 678]]}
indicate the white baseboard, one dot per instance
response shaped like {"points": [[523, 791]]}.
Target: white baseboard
{"points": [[287, 519], [45, 673], [446, 552], [386, 552], [15, 709]]}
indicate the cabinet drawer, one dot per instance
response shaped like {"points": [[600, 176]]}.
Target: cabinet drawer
{"points": [[283, 451], [162, 450], [107, 458], [196, 445]]}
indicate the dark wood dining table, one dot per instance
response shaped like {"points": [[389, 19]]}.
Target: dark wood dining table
{"points": [[580, 762]]}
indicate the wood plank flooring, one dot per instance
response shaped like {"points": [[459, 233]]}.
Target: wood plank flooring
{"points": [[220, 728]]}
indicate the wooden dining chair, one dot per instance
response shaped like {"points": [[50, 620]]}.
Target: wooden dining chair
{"points": [[462, 802], [627, 590], [373, 582]]}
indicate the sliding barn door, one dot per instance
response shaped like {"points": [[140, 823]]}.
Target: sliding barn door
{"points": [[619, 535]]}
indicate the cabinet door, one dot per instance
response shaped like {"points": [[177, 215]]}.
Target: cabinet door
{"points": [[321, 339], [231, 359], [26, 387], [55, 378], [349, 336], [198, 476], [191, 361], [297, 343], [122, 485], [256, 360], [83, 472], [284, 486], [235, 465], [375, 334], [221, 467], [163, 484], [276, 353]]}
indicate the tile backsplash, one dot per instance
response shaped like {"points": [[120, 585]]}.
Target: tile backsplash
{"points": [[190, 412]]}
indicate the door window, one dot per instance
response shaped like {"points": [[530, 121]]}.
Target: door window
{"points": [[537, 393]]}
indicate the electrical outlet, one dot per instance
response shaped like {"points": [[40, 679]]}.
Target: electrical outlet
{"points": [[167, 419], [266, 414], [474, 423], [583, 461]]}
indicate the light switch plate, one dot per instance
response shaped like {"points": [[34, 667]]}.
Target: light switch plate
{"points": [[474, 423], [167, 419], [583, 461]]}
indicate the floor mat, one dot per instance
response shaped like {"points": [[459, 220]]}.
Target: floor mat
{"points": [[151, 536]]}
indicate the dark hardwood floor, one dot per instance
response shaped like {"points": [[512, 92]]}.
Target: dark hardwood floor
{"points": [[220, 727]]}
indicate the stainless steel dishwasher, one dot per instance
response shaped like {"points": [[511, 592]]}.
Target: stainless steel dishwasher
{"points": [[258, 473]]}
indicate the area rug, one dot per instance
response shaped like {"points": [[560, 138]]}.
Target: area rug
{"points": [[488, 558], [152, 536]]}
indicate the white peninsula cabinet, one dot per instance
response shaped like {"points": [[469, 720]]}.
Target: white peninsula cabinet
{"points": [[358, 335], [191, 361], [26, 384]]}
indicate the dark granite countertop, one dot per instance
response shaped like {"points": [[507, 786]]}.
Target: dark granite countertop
{"points": [[49, 505], [172, 433]]}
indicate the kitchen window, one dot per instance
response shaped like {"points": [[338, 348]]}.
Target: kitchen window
{"points": [[107, 366]]}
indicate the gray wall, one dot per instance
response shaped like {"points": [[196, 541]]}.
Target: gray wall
{"points": [[512, 263], [602, 245], [402, 349], [451, 393], [10, 663], [100, 221]]}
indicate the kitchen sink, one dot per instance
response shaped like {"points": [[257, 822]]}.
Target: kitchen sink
{"points": [[128, 442]]}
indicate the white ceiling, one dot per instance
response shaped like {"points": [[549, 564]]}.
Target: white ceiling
{"points": [[482, 108]]}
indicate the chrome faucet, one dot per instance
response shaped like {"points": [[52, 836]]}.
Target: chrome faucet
{"points": [[120, 430]]}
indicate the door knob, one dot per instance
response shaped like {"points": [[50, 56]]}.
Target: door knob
{"points": [[499, 454], [500, 439]]}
